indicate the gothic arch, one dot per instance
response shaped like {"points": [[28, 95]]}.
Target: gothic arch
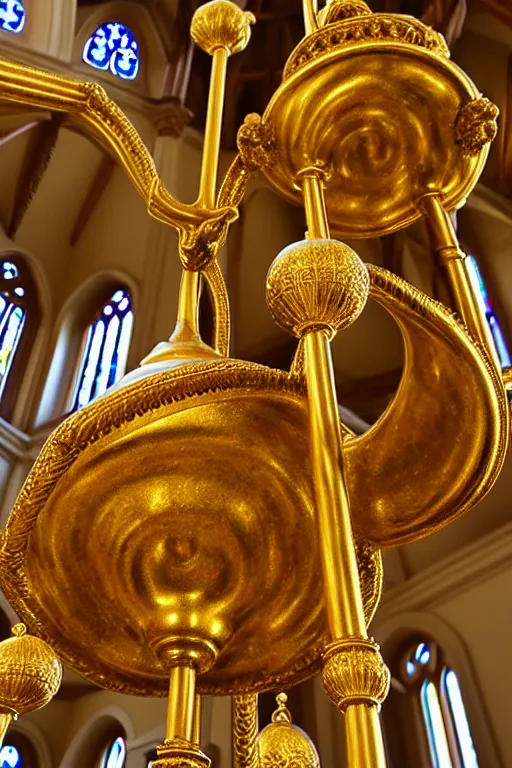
{"points": [[397, 629], [154, 61], [86, 745], [34, 736], [76, 314]]}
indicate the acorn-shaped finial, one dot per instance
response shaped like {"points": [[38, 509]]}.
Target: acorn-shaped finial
{"points": [[282, 743], [30, 672]]}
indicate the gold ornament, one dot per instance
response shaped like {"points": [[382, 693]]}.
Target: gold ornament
{"points": [[221, 24], [245, 731], [476, 125], [317, 283], [30, 672], [178, 753], [283, 745], [339, 10], [354, 673]]}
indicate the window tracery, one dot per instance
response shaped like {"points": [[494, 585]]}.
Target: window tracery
{"points": [[106, 346], [12, 16], [113, 48], [425, 673]]}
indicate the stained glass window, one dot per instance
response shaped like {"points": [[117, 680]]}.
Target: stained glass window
{"points": [[10, 757], [12, 18], [447, 730], [12, 317], [106, 348], [487, 307], [113, 48], [114, 755]]}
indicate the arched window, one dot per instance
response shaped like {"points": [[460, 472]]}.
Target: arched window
{"points": [[19, 318], [12, 16], [10, 757], [426, 676], [105, 349], [113, 48], [114, 755], [487, 306]]}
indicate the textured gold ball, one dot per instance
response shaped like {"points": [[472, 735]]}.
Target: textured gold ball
{"points": [[339, 10], [221, 24], [317, 283], [283, 745], [30, 672]]}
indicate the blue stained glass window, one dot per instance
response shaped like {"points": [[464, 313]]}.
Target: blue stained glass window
{"points": [[113, 48], [10, 757], [114, 756], [12, 318], [436, 731], [460, 720], [487, 307], [106, 349], [12, 18]]}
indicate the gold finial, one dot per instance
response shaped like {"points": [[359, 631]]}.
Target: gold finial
{"points": [[315, 284], [282, 713], [221, 24], [30, 672], [476, 125], [282, 743], [339, 10], [18, 630]]}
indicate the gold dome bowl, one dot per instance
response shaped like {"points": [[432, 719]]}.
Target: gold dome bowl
{"points": [[375, 102], [181, 506]]}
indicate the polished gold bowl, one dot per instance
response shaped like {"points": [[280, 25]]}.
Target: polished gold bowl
{"points": [[375, 103], [181, 506]]}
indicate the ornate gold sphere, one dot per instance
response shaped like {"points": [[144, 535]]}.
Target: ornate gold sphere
{"points": [[317, 283], [30, 672], [221, 24], [283, 745]]}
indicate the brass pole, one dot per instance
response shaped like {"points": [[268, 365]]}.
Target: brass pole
{"points": [[450, 255], [314, 203], [180, 713], [344, 604], [213, 129], [5, 721], [198, 713], [244, 710], [342, 591], [188, 302], [310, 11]]}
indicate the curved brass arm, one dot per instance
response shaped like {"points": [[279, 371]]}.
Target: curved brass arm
{"points": [[87, 104], [310, 11]]}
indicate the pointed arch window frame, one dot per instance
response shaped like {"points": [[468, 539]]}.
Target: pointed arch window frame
{"points": [[487, 307], [113, 47], [425, 673], [20, 316], [105, 348]]}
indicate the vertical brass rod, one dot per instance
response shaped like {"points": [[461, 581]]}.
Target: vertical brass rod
{"points": [[446, 245], [5, 721], [244, 710], [180, 714], [198, 713], [365, 746], [188, 303], [314, 204], [310, 11], [344, 604], [213, 129]]}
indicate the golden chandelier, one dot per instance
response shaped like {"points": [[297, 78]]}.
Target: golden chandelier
{"points": [[175, 529]]}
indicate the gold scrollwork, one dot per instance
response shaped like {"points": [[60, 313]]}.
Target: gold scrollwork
{"points": [[476, 125]]}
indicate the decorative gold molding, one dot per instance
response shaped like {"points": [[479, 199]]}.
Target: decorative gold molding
{"points": [[476, 125], [354, 673]]}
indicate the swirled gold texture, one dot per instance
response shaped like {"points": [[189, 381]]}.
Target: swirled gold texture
{"points": [[378, 110], [170, 508]]}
